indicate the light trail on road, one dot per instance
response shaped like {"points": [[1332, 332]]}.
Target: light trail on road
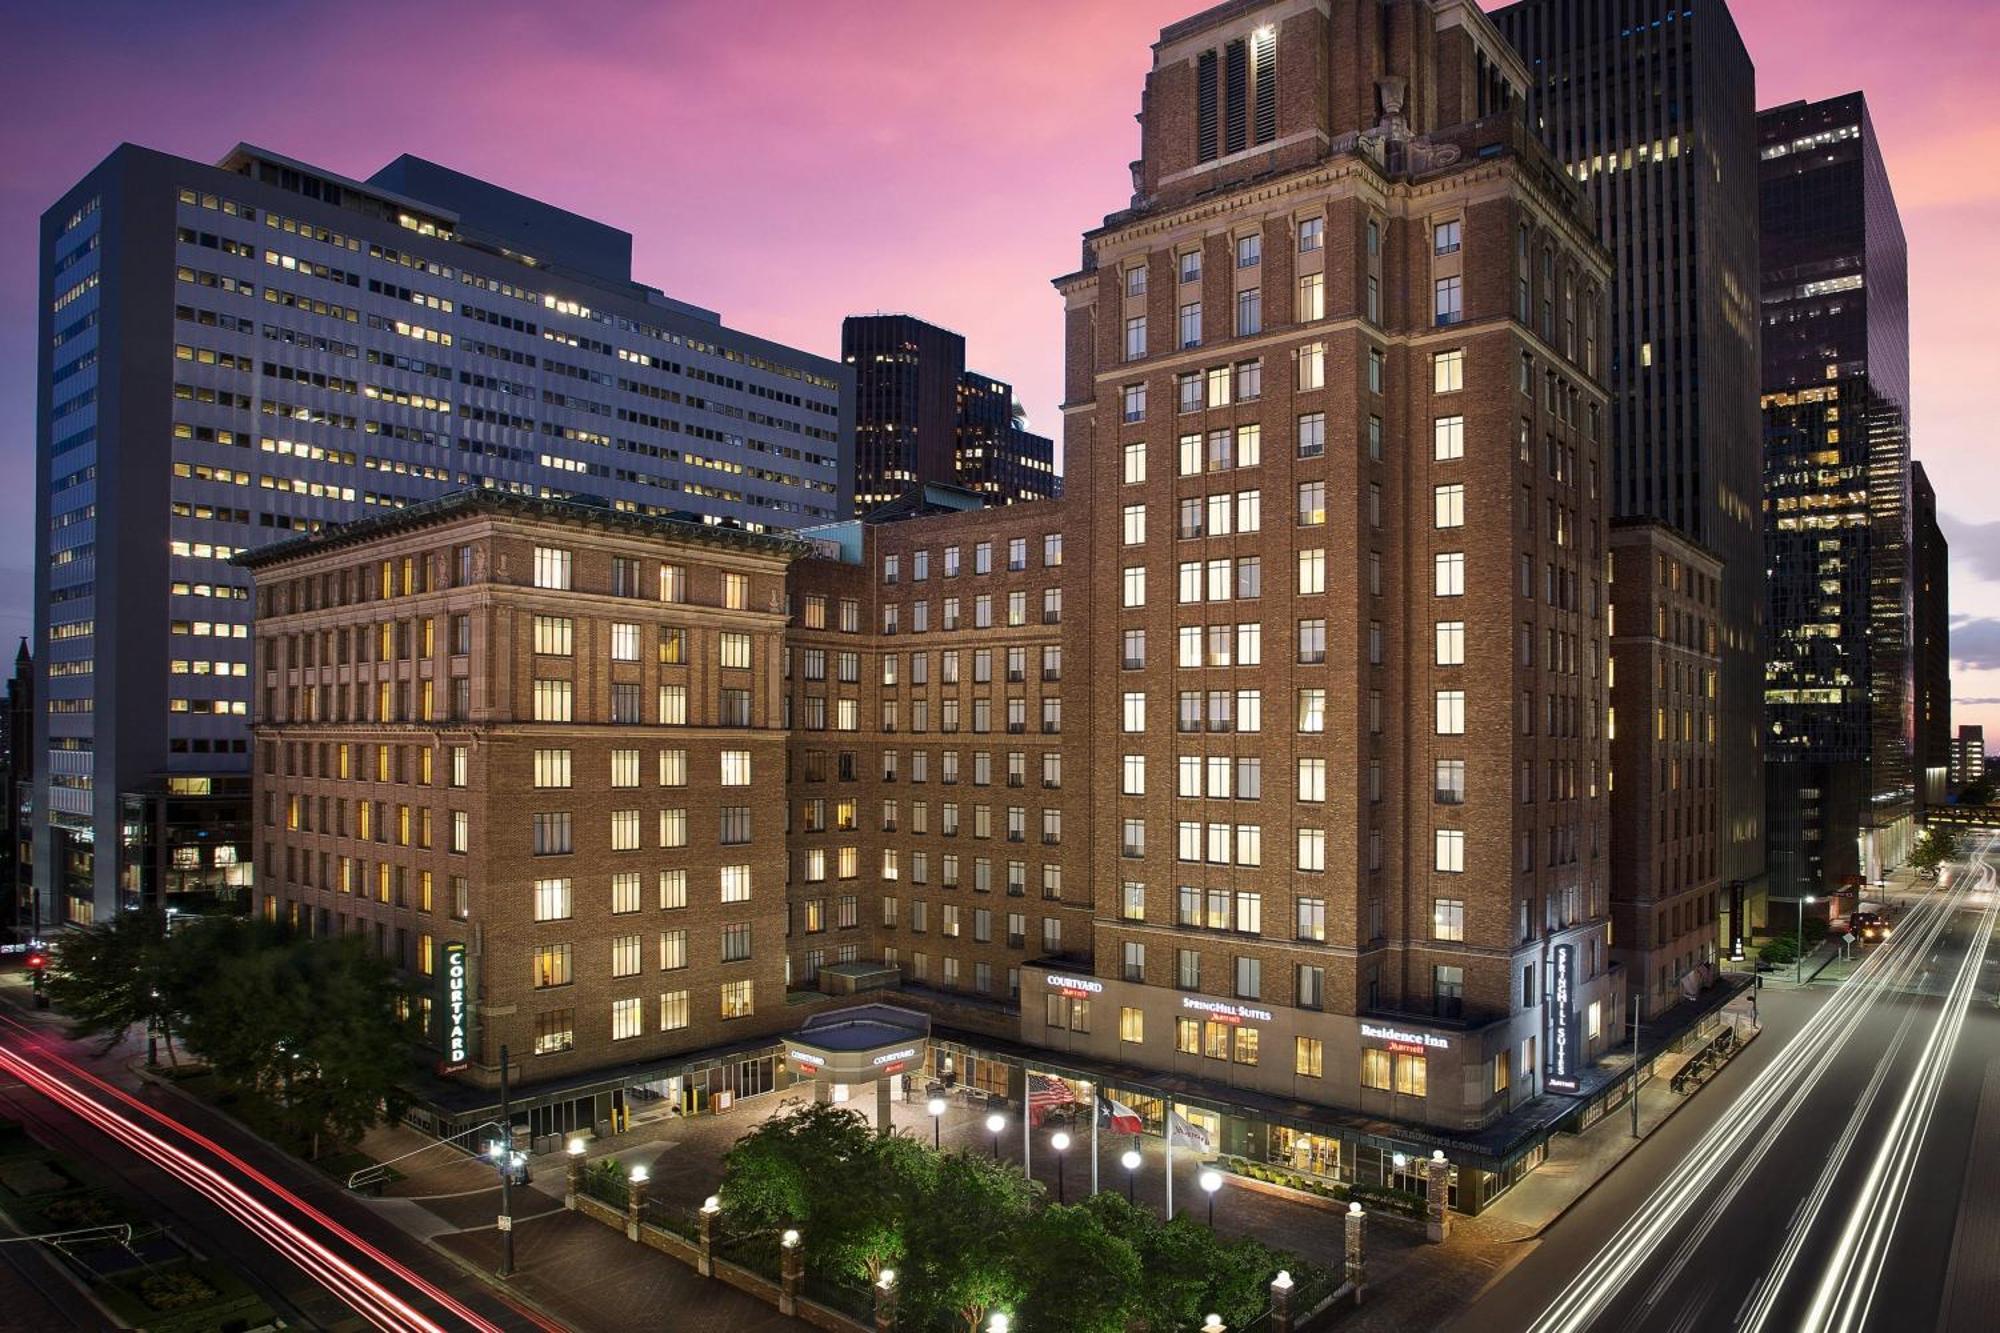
{"points": [[1846, 1290], [343, 1267], [1750, 1124], [367, 1297]]}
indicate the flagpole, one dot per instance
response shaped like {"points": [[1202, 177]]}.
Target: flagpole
{"points": [[1027, 1118], [1095, 1094], [1170, 1157]]}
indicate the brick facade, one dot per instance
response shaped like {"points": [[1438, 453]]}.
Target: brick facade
{"points": [[1289, 716], [1665, 840], [580, 811]]}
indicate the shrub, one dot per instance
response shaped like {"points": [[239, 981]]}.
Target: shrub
{"points": [[176, 1289]]}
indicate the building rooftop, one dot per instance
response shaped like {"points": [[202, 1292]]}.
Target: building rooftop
{"points": [[473, 501]]}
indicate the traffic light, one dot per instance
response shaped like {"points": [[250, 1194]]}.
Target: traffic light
{"points": [[38, 968]]}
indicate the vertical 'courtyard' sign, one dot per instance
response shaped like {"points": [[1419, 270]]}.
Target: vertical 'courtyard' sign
{"points": [[457, 1009]]}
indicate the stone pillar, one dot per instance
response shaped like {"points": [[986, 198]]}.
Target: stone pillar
{"points": [[573, 1186], [822, 1089], [791, 1272], [635, 1201], [885, 1299], [883, 1125], [711, 1209], [1281, 1303], [1357, 1264], [1437, 1208]]}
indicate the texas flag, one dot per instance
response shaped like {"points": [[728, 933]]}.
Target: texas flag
{"points": [[1118, 1117]]}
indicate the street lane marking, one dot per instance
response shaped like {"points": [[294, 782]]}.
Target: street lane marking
{"points": [[1605, 1276], [1846, 1291]]}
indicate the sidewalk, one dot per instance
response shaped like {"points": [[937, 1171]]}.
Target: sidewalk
{"points": [[1437, 1284], [1576, 1162]]}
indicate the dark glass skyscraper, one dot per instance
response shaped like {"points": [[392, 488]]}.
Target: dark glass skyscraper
{"points": [[921, 418], [906, 376], [996, 455], [1836, 359], [1652, 105], [1930, 606]]}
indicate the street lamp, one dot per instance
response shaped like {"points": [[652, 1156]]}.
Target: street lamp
{"points": [[997, 1323], [1130, 1161], [1210, 1182], [1799, 955], [994, 1124], [936, 1107], [1213, 1324], [1061, 1144]]}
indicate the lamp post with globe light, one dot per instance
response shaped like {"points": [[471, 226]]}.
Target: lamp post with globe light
{"points": [[1060, 1142], [1210, 1182], [1130, 1161], [936, 1107], [994, 1124]]}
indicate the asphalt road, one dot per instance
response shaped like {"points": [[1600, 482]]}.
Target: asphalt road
{"points": [[317, 1256], [1839, 1176]]}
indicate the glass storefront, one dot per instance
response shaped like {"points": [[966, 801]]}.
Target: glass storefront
{"points": [[1315, 1154]]}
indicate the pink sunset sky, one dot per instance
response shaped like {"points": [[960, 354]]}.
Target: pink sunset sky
{"points": [[788, 163]]}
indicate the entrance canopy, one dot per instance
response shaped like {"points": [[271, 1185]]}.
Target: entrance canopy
{"points": [[859, 1045]]}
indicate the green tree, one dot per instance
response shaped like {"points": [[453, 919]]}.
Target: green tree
{"points": [[1933, 849], [310, 1024], [109, 978], [351, 1048], [868, 1217], [1075, 1274], [792, 1170], [960, 1263]]}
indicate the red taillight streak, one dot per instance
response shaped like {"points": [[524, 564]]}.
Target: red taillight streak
{"points": [[442, 1298], [377, 1304]]}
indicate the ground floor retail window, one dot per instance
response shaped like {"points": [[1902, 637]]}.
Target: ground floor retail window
{"points": [[1314, 1153], [987, 1075], [1151, 1110], [747, 1078]]}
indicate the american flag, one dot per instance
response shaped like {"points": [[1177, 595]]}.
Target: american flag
{"points": [[1046, 1092]]}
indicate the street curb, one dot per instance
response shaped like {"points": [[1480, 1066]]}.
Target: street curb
{"points": [[514, 1295], [1527, 1244], [1660, 1124]]}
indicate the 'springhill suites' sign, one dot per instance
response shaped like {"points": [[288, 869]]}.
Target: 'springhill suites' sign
{"points": [[1563, 1034]]}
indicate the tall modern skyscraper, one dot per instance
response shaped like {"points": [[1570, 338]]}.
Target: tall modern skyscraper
{"points": [[1841, 693], [240, 352], [922, 419], [1930, 606], [1653, 108]]}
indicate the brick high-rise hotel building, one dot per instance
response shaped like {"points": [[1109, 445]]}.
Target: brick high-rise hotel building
{"points": [[1262, 778], [1333, 408]]}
